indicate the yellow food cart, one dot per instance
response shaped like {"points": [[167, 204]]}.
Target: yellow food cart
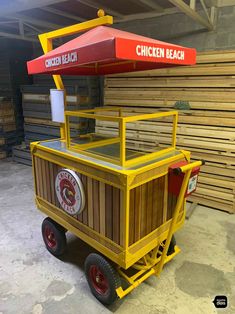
{"points": [[121, 199]]}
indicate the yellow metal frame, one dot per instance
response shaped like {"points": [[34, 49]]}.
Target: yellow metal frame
{"points": [[46, 41], [153, 262], [122, 121], [147, 259]]}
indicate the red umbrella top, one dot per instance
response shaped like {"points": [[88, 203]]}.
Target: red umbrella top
{"points": [[105, 50]]}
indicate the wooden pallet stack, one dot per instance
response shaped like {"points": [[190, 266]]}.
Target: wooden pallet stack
{"points": [[8, 135], [38, 124], [206, 128]]}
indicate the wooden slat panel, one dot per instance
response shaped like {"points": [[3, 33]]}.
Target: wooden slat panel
{"points": [[96, 207], [190, 82], [90, 202], [122, 214], [108, 211], [104, 204], [132, 212], [56, 169], [37, 176], [79, 216], [137, 212], [143, 220], [116, 215], [156, 209], [52, 183], [102, 207], [43, 173], [149, 206], [85, 210], [161, 190], [49, 181], [146, 208], [197, 70]]}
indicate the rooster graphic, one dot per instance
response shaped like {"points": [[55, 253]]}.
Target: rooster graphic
{"points": [[68, 195]]}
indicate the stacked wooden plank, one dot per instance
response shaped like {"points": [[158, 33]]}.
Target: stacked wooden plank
{"points": [[8, 134], [13, 72], [205, 93], [38, 124]]}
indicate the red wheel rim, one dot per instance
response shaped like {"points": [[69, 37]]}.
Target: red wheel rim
{"points": [[98, 280], [50, 237]]}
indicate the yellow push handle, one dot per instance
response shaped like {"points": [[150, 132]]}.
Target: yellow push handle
{"points": [[187, 169], [189, 166]]}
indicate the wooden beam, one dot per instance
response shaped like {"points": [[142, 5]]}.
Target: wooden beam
{"points": [[21, 28], [15, 36], [36, 29], [97, 5], [192, 4], [152, 4], [63, 13], [148, 15], [205, 9], [180, 4], [19, 5], [8, 22], [42, 23], [225, 3]]}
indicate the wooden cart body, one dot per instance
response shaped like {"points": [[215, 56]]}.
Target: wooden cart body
{"points": [[128, 209], [127, 212]]}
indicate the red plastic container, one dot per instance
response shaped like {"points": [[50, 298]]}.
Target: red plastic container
{"points": [[175, 179]]}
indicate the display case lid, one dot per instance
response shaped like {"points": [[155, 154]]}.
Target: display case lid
{"points": [[104, 50]]}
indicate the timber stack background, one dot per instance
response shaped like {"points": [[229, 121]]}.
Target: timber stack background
{"points": [[206, 128], [8, 134], [82, 92]]}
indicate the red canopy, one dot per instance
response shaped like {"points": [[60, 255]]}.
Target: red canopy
{"points": [[105, 50]]}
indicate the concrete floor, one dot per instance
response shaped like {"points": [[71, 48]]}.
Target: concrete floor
{"points": [[33, 281]]}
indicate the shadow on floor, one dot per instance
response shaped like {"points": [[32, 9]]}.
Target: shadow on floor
{"points": [[76, 254]]}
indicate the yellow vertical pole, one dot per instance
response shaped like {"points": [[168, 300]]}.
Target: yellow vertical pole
{"points": [[46, 42], [67, 131], [47, 46], [122, 135]]}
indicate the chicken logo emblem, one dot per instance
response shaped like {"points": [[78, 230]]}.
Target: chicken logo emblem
{"points": [[69, 191]]}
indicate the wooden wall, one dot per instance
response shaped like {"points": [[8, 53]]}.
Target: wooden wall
{"points": [[103, 210], [206, 128]]}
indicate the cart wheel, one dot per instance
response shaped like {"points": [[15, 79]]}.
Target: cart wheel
{"points": [[102, 278], [53, 236], [171, 248]]}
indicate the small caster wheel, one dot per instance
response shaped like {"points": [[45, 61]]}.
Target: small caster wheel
{"points": [[53, 236], [102, 278], [172, 245], [171, 248]]}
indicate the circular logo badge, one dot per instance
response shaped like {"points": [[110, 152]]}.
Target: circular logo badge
{"points": [[69, 191]]}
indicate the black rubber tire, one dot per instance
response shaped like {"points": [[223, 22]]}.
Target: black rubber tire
{"points": [[59, 238], [171, 248], [110, 274]]}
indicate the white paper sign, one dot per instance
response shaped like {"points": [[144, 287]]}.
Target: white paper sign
{"points": [[57, 105], [192, 184]]}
